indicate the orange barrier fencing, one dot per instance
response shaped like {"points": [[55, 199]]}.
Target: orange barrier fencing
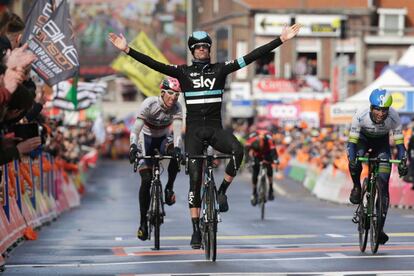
{"points": [[34, 192]]}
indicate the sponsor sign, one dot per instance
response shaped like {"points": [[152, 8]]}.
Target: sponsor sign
{"points": [[319, 25], [283, 111], [271, 85], [270, 24]]}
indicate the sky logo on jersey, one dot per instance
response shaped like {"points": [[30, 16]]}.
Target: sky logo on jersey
{"points": [[201, 83]]}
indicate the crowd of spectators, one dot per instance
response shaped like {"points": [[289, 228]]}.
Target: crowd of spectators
{"points": [[320, 147], [24, 129]]}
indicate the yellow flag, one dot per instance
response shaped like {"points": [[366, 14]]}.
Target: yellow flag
{"points": [[146, 79]]}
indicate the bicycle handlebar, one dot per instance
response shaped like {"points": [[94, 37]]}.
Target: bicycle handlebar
{"points": [[151, 157], [378, 160]]}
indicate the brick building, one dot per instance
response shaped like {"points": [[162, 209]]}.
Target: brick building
{"points": [[375, 33]]}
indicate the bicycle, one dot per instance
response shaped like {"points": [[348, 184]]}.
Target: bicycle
{"points": [[156, 213], [263, 187], [210, 214], [369, 214]]}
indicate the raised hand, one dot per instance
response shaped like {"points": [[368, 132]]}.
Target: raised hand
{"points": [[28, 145], [20, 57], [119, 42], [289, 32]]}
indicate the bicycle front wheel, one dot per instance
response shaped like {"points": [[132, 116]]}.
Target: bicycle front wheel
{"points": [[376, 218], [363, 221], [262, 195], [157, 216]]}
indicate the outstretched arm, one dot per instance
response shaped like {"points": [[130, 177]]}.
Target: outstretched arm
{"points": [[121, 43], [287, 34]]}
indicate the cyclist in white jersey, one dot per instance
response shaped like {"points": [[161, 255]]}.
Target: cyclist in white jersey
{"points": [[370, 129], [151, 131]]}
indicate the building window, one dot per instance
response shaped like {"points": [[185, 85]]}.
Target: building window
{"points": [[306, 64], [266, 65], [391, 21], [379, 67], [351, 48], [215, 6], [352, 68]]}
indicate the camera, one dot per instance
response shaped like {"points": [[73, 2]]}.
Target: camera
{"points": [[26, 131]]}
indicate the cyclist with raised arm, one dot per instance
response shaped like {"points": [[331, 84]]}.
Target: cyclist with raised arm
{"points": [[203, 85], [150, 132], [260, 147], [370, 128]]}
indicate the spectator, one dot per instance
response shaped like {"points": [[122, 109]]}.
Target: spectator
{"points": [[301, 67]]}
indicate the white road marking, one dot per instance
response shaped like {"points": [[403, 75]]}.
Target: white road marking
{"points": [[259, 246], [330, 273], [254, 260], [248, 237], [118, 238], [279, 189], [335, 235], [336, 255], [340, 217]]}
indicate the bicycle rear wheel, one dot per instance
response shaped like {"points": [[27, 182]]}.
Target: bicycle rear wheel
{"points": [[212, 228], [262, 195], [376, 218], [157, 216], [363, 221]]}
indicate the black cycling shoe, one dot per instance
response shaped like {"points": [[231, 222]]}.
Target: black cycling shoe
{"points": [[196, 240], [271, 196], [253, 199], [142, 233], [169, 197], [355, 196], [222, 201], [382, 238]]}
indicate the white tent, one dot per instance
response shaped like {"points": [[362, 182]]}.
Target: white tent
{"points": [[388, 78], [408, 58], [343, 111]]}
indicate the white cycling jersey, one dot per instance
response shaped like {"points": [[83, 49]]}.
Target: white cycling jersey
{"points": [[154, 120], [362, 124]]}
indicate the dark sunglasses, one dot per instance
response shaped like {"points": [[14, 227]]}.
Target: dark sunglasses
{"points": [[172, 93], [383, 109], [201, 45]]}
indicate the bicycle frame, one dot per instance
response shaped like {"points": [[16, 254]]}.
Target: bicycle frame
{"points": [[369, 213], [263, 187], [156, 212], [210, 213]]}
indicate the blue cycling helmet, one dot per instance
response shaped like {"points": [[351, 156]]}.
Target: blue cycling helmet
{"points": [[380, 98], [198, 37]]}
